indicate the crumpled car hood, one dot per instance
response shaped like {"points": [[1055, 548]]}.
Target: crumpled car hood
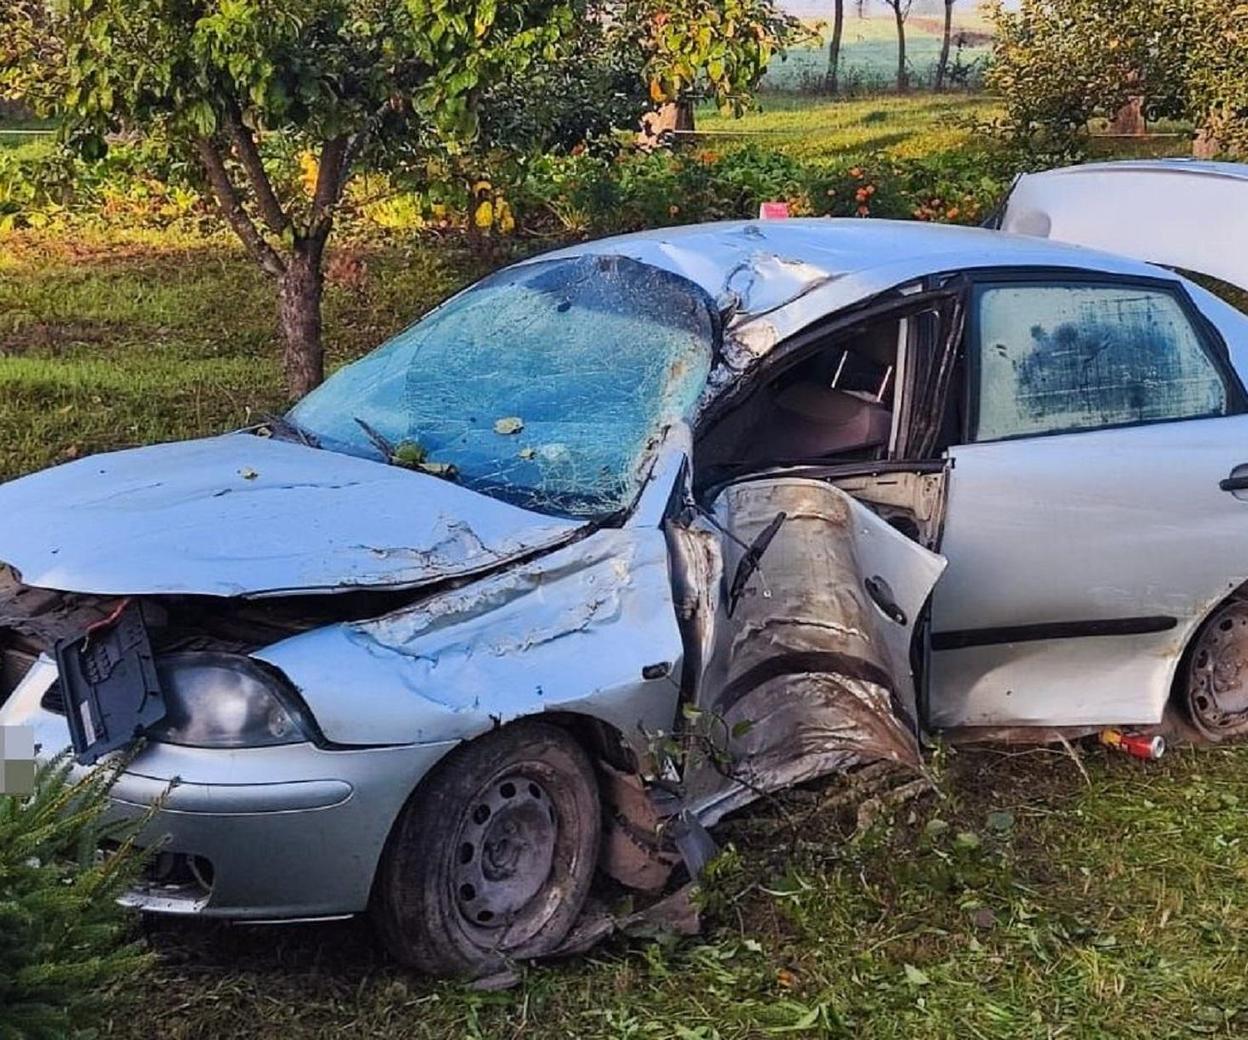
{"points": [[242, 515]]}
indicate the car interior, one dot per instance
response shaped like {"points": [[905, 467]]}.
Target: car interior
{"points": [[833, 403]]}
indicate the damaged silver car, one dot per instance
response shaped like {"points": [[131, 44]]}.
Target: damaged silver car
{"points": [[425, 645]]}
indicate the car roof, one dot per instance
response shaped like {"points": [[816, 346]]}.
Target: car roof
{"points": [[767, 264]]}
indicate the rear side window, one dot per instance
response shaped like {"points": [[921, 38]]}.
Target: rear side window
{"points": [[1058, 358]]}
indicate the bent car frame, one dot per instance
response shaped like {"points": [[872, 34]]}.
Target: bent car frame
{"points": [[785, 495]]}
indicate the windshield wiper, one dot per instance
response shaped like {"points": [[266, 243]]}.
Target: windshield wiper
{"points": [[288, 430], [406, 454], [379, 442]]}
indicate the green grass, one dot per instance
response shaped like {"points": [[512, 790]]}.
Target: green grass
{"points": [[1041, 904], [107, 345], [902, 127], [1027, 902]]}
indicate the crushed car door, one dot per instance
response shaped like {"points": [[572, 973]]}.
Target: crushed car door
{"points": [[1095, 516], [1132, 209], [810, 604]]}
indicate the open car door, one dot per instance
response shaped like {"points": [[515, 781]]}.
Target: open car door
{"points": [[1175, 212], [810, 606]]}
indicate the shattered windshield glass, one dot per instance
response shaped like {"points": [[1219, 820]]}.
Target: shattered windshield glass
{"points": [[544, 385]]}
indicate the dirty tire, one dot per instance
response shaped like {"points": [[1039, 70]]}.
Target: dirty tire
{"points": [[1215, 691], [492, 857]]}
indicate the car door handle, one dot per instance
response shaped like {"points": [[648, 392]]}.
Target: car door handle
{"points": [[882, 595], [1237, 481]]}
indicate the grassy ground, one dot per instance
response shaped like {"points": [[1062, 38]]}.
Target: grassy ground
{"points": [[1029, 900], [111, 344], [816, 128]]}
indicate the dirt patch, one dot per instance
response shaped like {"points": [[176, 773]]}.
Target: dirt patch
{"points": [[52, 337]]}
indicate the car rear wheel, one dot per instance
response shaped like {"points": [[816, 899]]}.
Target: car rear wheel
{"points": [[492, 858], [1216, 691]]}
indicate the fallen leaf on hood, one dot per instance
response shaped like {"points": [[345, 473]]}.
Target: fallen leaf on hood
{"points": [[247, 473], [509, 425], [408, 453]]}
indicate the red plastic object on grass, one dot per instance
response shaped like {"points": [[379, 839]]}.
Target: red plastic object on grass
{"points": [[1148, 748]]}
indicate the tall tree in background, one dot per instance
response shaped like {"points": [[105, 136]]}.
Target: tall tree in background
{"points": [[1218, 78], [1058, 63], [942, 64], [339, 80], [832, 79], [901, 11]]}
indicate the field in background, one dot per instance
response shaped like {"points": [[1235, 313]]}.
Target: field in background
{"points": [[1034, 896], [869, 52], [821, 128]]}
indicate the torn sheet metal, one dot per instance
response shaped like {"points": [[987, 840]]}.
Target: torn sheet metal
{"points": [[810, 672], [751, 266], [588, 628], [241, 515], [1129, 208]]}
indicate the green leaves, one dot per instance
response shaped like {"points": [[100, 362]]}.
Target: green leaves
{"points": [[717, 47], [1059, 63], [309, 69]]}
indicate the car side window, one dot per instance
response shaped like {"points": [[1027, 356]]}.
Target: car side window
{"points": [[1054, 358]]}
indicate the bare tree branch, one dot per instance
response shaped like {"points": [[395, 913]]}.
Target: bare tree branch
{"points": [[330, 180], [249, 155], [231, 208]]}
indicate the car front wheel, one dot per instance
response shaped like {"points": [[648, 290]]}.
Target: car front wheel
{"points": [[492, 858]]}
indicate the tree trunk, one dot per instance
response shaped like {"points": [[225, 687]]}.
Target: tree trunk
{"points": [[942, 65], [657, 127], [299, 313], [903, 79], [1128, 121], [832, 79]]}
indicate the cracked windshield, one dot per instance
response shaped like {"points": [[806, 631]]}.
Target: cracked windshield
{"points": [[545, 385]]}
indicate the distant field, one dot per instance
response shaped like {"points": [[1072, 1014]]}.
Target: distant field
{"points": [[869, 53], [813, 128]]}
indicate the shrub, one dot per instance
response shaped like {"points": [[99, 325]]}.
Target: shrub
{"points": [[584, 191], [591, 195], [64, 944]]}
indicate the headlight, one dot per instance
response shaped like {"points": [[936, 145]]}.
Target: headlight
{"points": [[225, 701]]}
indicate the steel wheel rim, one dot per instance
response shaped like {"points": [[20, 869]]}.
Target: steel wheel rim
{"points": [[504, 855], [1217, 689]]}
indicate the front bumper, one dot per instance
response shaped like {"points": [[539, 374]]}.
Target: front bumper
{"points": [[273, 833]]}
